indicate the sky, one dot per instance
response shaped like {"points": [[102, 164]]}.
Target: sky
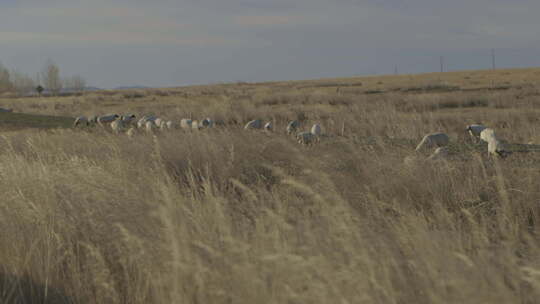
{"points": [[165, 43]]}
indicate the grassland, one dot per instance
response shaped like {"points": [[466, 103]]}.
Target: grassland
{"points": [[230, 216]]}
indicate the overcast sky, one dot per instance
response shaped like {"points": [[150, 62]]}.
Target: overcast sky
{"points": [[169, 43]]}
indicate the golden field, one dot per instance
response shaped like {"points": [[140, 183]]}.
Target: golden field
{"points": [[225, 215]]}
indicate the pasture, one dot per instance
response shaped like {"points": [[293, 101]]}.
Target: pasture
{"points": [[227, 215]]}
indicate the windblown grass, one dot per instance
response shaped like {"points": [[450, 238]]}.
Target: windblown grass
{"points": [[230, 216]]}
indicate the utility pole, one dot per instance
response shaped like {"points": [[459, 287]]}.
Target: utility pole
{"points": [[442, 63], [493, 59]]}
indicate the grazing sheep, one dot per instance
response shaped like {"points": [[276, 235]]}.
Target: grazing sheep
{"points": [[3, 110], [196, 125], [254, 124], [163, 126], [159, 121], [150, 126], [432, 140], [316, 130], [475, 130], [80, 120], [487, 135], [92, 119], [170, 125], [269, 127], [497, 148], [441, 153], [207, 123], [305, 138], [117, 125], [127, 119], [185, 123], [131, 132], [142, 122], [102, 120], [292, 126]]}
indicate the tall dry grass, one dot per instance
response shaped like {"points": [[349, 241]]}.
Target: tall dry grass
{"points": [[229, 216]]}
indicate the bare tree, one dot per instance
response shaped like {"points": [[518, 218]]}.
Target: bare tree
{"points": [[5, 79], [78, 83], [75, 83], [50, 76], [22, 83]]}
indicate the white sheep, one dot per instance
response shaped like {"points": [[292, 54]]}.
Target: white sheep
{"points": [[305, 138], [292, 126], [170, 125], [117, 125], [254, 124], [316, 130], [196, 125], [432, 140], [127, 119], [131, 132], [80, 120], [92, 119], [475, 130], [163, 125], [102, 120], [159, 121], [487, 135], [185, 123], [497, 148], [142, 122], [269, 127], [149, 126]]}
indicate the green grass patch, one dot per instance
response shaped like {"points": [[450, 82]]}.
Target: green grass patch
{"points": [[24, 121]]}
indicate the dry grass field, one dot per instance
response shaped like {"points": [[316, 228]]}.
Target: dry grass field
{"points": [[225, 215]]}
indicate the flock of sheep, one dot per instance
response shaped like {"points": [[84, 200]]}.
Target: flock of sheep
{"points": [[477, 132], [149, 123], [129, 125], [305, 138]]}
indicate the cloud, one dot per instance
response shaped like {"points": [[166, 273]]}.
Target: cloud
{"points": [[170, 41], [274, 20], [110, 38]]}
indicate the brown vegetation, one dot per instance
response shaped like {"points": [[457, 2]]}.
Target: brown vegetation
{"points": [[230, 216]]}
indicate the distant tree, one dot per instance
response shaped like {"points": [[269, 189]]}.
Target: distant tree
{"points": [[75, 83], [5, 80], [50, 76], [22, 83], [78, 83], [39, 89]]}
